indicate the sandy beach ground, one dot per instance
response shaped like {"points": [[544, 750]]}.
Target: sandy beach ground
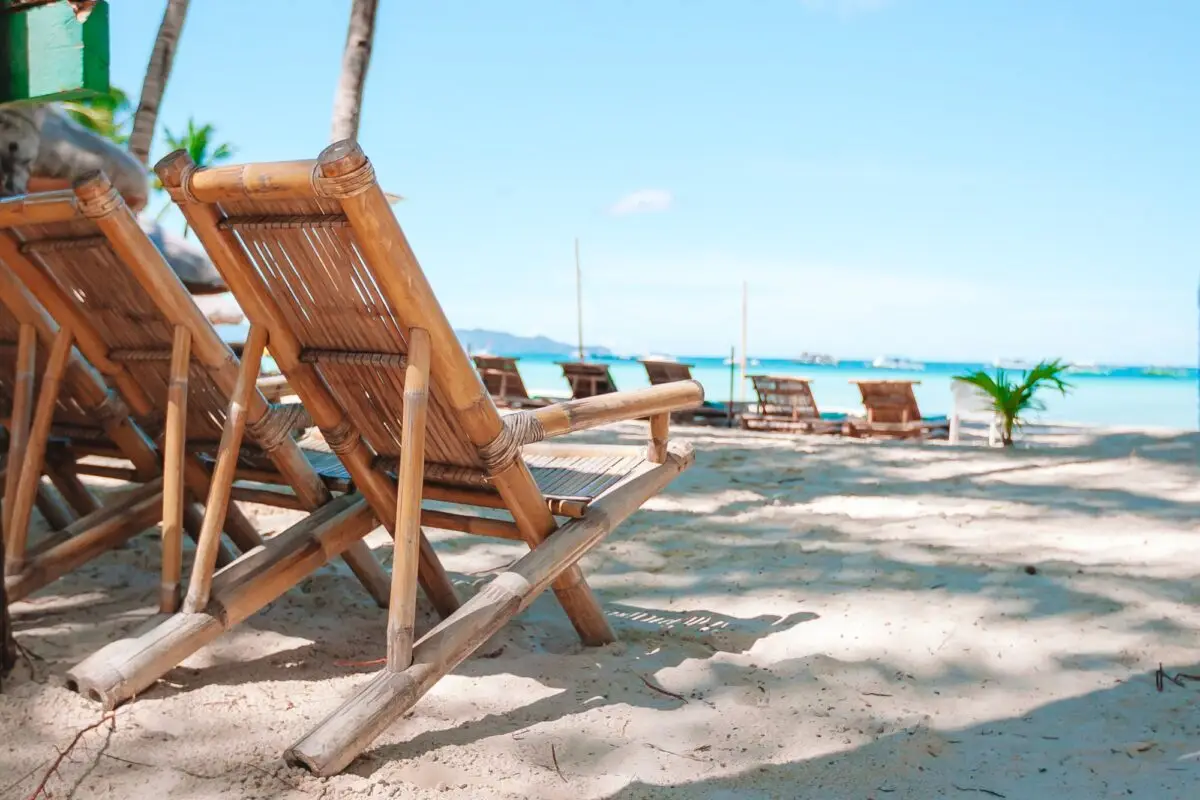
{"points": [[799, 618]]}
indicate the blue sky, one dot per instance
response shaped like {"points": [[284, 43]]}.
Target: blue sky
{"points": [[942, 180]]}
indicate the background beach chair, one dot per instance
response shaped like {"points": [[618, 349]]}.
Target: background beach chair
{"points": [[786, 404], [57, 411], [84, 257], [587, 378], [316, 259], [504, 383], [892, 412], [711, 413]]}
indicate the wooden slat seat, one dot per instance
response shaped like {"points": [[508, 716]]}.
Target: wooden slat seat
{"points": [[504, 383], [892, 412], [661, 372], [786, 404]]}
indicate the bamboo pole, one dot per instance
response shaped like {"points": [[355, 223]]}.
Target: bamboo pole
{"points": [[579, 298], [589, 412], [224, 472], [345, 174], [35, 452], [42, 208], [87, 538], [732, 382], [745, 325], [173, 489], [61, 473], [656, 453], [340, 737], [402, 610], [22, 413], [207, 186], [124, 668]]}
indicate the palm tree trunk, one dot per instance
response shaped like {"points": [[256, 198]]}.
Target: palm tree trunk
{"points": [[155, 84], [347, 100]]}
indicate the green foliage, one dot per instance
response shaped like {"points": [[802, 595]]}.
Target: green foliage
{"points": [[109, 115], [197, 140], [1012, 398]]}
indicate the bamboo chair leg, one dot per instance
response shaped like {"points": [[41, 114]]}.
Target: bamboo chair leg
{"points": [[340, 737], [221, 487], [22, 412], [88, 537], [73, 491], [125, 668], [402, 608], [35, 453], [56, 513], [659, 427], [193, 521], [174, 500]]}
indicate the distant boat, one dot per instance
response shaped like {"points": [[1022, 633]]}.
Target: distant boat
{"points": [[1012, 363], [1165, 372], [816, 358], [1088, 369], [657, 357], [897, 362], [753, 362]]}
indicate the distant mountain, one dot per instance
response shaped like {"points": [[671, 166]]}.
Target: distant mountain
{"points": [[506, 344]]}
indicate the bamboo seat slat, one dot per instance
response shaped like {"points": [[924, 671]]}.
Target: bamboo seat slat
{"points": [[282, 222], [353, 357], [66, 244]]}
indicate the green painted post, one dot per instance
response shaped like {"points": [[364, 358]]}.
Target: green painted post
{"points": [[47, 54]]}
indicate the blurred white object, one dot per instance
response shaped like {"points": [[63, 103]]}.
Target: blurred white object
{"points": [[221, 309], [972, 401]]}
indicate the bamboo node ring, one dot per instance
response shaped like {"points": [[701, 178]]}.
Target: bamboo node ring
{"points": [[341, 438], [275, 427], [111, 409], [354, 182], [521, 428], [185, 184], [101, 205]]}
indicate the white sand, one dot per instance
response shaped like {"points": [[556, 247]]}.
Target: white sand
{"points": [[844, 619]]}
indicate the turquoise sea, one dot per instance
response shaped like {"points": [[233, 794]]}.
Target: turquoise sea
{"points": [[1122, 396], [1108, 396]]}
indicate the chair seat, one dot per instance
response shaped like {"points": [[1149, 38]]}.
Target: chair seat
{"points": [[570, 482]]}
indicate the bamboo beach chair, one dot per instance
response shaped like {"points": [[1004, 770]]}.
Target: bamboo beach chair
{"points": [[786, 404], [84, 257], [73, 416], [892, 412], [660, 372], [319, 263], [587, 378], [504, 383]]}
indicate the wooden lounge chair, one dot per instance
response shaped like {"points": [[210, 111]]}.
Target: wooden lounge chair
{"points": [[84, 257], [786, 404], [504, 383], [74, 415], [892, 412], [587, 378], [711, 413], [319, 263]]}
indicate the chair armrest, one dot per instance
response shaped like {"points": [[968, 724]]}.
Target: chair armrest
{"points": [[590, 412]]}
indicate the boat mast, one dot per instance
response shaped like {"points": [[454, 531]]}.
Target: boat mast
{"points": [[579, 297], [745, 306]]}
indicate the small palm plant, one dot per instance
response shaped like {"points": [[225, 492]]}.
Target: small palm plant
{"points": [[1012, 398], [197, 140]]}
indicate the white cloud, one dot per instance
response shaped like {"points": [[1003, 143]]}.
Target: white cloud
{"points": [[643, 201]]}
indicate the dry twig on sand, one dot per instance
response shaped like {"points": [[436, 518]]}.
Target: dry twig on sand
{"points": [[40, 789]]}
